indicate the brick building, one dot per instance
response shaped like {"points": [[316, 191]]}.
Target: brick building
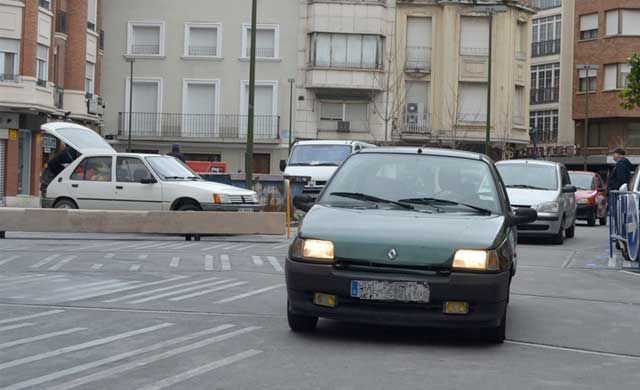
{"points": [[607, 33], [50, 62]]}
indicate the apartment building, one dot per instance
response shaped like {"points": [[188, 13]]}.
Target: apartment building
{"points": [[50, 61], [550, 118], [413, 72], [190, 78], [607, 34]]}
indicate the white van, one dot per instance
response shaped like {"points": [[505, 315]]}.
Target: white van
{"points": [[319, 160]]}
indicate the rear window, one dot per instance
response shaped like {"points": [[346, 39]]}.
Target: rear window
{"points": [[84, 139], [529, 176]]}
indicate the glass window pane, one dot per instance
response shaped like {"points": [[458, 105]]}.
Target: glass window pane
{"points": [[323, 49], [339, 50], [369, 51], [354, 51], [97, 169], [131, 170]]}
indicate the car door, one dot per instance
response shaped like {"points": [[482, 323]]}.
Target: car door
{"points": [[136, 188], [569, 199], [91, 183]]}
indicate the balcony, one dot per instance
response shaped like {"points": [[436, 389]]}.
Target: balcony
{"points": [[545, 95], [146, 50], [203, 51], [339, 126], [61, 22], [545, 48], [261, 52], [416, 124], [197, 127], [418, 59]]}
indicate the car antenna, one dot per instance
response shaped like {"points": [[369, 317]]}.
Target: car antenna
{"points": [[419, 150]]}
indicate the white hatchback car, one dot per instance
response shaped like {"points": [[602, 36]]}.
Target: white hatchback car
{"points": [[102, 178]]}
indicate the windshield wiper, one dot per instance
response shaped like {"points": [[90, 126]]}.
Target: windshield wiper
{"points": [[174, 177], [327, 164], [371, 198], [525, 186], [445, 202]]}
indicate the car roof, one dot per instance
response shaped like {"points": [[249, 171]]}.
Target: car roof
{"points": [[425, 151], [330, 142], [123, 154], [527, 161], [584, 173]]}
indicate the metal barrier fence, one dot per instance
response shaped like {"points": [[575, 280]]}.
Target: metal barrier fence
{"points": [[624, 227]]}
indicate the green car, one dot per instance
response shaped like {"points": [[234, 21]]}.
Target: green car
{"points": [[407, 236]]}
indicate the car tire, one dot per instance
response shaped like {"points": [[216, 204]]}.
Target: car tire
{"points": [[300, 323], [189, 207], [591, 221], [65, 204], [571, 232], [498, 334], [558, 238], [603, 221]]}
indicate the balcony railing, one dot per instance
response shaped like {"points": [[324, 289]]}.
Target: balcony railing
{"points": [[203, 51], [545, 48], [202, 126], [348, 126], [61, 22], [518, 120], [545, 4], [472, 117], [145, 49], [474, 51], [262, 52], [418, 58], [545, 95], [416, 123], [9, 77]]}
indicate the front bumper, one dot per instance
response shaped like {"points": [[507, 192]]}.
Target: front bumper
{"points": [[546, 224], [585, 211], [230, 207], [487, 295]]}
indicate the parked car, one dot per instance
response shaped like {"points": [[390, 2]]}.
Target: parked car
{"points": [[102, 178], [407, 236], [591, 197], [546, 187], [319, 160]]}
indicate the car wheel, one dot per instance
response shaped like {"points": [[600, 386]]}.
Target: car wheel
{"points": [[571, 232], [299, 323], [189, 207], [591, 221], [65, 204], [558, 238], [603, 221], [498, 334]]}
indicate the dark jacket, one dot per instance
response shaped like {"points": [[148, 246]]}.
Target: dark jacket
{"points": [[178, 155], [620, 175]]}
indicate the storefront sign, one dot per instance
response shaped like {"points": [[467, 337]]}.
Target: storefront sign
{"points": [[551, 151], [13, 135], [48, 144]]}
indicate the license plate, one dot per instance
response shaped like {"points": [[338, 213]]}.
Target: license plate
{"points": [[376, 290]]}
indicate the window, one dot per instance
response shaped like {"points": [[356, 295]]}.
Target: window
{"points": [[145, 107], [633, 134], [93, 169], [333, 112], [131, 170], [199, 106], [203, 40], [589, 26], [42, 65], [416, 117], [418, 43], [521, 41], [587, 78], [267, 41], [615, 76], [46, 4], [472, 102], [518, 106], [89, 77], [92, 14], [265, 108], [546, 33], [355, 51], [623, 22], [545, 82], [474, 35], [146, 39], [597, 135], [545, 125], [545, 4], [9, 59]]}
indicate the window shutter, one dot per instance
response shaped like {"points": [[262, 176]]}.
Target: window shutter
{"points": [[610, 76], [474, 33], [145, 97], [9, 45], [589, 22], [203, 37], [612, 22], [263, 100], [418, 32], [631, 22], [265, 39], [42, 53], [356, 112], [592, 73], [330, 111], [472, 100], [146, 35], [201, 99]]}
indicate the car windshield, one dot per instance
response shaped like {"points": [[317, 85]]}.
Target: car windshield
{"points": [[529, 176], [316, 155], [424, 183], [169, 168], [582, 181]]}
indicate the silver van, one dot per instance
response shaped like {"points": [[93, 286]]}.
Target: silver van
{"points": [[546, 187]]}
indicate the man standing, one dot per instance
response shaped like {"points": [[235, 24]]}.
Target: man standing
{"points": [[621, 173], [175, 152]]}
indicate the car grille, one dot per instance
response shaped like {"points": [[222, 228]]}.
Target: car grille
{"points": [[537, 228], [242, 199]]}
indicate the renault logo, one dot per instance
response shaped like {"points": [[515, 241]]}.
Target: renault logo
{"points": [[392, 254]]}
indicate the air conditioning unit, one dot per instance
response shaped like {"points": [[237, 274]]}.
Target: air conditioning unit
{"points": [[344, 126], [412, 108], [412, 114]]}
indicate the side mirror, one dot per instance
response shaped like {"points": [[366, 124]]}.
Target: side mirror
{"points": [[569, 189], [303, 202], [150, 180], [624, 188], [283, 165], [523, 216]]}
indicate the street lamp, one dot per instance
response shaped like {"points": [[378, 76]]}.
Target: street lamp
{"points": [[489, 9], [252, 91], [586, 69], [131, 61], [291, 82]]}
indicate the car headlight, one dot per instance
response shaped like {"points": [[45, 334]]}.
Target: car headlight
{"points": [[313, 250], [476, 260], [582, 201], [548, 207], [220, 198]]}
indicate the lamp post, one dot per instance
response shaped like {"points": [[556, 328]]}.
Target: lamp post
{"points": [[585, 139], [489, 10], [252, 92], [291, 82], [131, 61]]}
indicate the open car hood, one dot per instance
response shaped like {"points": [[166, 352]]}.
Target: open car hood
{"points": [[80, 138]]}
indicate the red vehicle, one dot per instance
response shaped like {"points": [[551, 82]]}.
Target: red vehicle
{"points": [[591, 197], [207, 166]]}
